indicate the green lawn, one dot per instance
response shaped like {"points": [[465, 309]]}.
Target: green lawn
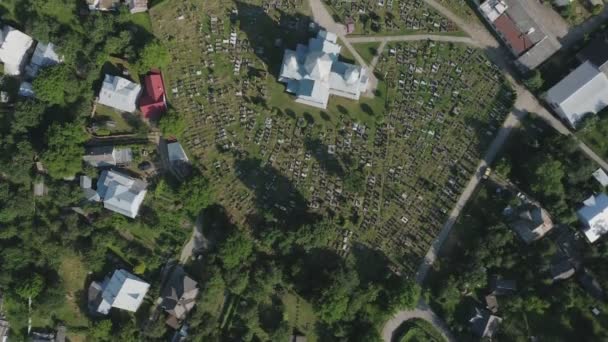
{"points": [[110, 121], [300, 314], [593, 131], [367, 51]]}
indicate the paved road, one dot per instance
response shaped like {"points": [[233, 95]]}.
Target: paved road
{"points": [[414, 37], [196, 243], [422, 311], [513, 121]]}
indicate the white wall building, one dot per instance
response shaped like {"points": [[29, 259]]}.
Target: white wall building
{"points": [[313, 72], [121, 193], [14, 47], [122, 291], [119, 93], [594, 216], [584, 91]]}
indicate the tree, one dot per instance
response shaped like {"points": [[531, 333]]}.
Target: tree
{"points": [[547, 177], [196, 194], [101, 331], [28, 114], [32, 287], [535, 81], [406, 297], [154, 55], [172, 124], [236, 250], [63, 157], [52, 83]]}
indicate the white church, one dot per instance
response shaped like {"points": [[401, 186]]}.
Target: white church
{"points": [[313, 72]]}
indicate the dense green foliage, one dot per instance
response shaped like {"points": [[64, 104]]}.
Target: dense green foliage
{"points": [[555, 173]]}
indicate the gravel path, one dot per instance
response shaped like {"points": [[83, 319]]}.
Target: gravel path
{"points": [[413, 37]]}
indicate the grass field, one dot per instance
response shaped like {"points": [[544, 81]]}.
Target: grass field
{"points": [[367, 51], [300, 314]]}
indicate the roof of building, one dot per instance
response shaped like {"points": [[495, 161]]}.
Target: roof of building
{"points": [[532, 223], [136, 6], [484, 324], [562, 269], [601, 176], [492, 303], [313, 72], [517, 40], [44, 56], [492, 9], [501, 286], [14, 46], [104, 156], [152, 103], [119, 93], [122, 291], [176, 152], [179, 295], [583, 91], [121, 193], [594, 216]]}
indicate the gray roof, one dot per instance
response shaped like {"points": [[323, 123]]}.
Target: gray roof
{"points": [[121, 193], [123, 291], [44, 56], [484, 324], [119, 93], [179, 294], [583, 91], [103, 156]]}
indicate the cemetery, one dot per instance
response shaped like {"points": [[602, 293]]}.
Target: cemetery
{"points": [[386, 169], [389, 17]]}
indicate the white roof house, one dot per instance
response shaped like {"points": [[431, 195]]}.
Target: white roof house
{"points": [[122, 291], [594, 216], [313, 72], [44, 56], [121, 193], [583, 91], [119, 93], [492, 9], [14, 46], [136, 6]]}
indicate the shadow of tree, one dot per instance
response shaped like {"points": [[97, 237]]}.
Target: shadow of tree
{"points": [[263, 31], [321, 152]]}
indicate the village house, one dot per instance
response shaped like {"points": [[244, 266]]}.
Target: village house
{"points": [[136, 6], [522, 35], [105, 156], [103, 5], [119, 93], [313, 72], [44, 56], [121, 193], [153, 102], [594, 217], [178, 297], [484, 324], [122, 291], [14, 49], [531, 222]]}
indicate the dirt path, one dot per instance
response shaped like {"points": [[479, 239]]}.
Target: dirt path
{"points": [[414, 37]]}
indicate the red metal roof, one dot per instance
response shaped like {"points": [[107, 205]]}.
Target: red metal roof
{"points": [[152, 103], [518, 40]]}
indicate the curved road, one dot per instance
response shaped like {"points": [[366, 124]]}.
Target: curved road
{"points": [[422, 311]]}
